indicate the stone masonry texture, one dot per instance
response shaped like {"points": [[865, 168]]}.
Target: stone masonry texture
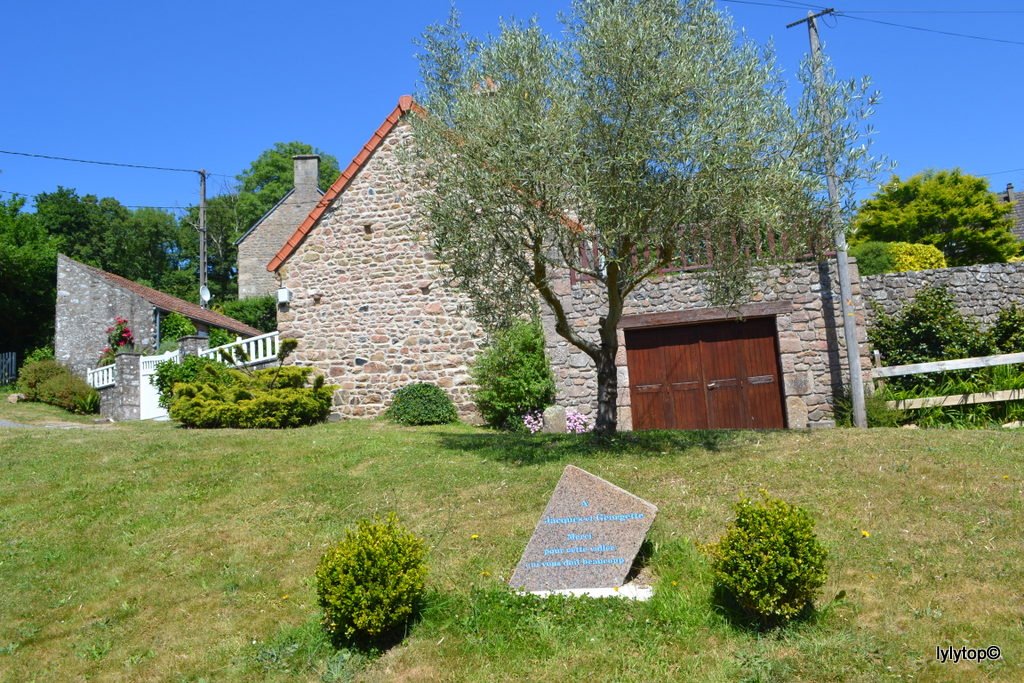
{"points": [[86, 306], [980, 291], [369, 305], [264, 240], [810, 337]]}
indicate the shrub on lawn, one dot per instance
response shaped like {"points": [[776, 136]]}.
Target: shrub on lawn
{"points": [[50, 382], [421, 404], [769, 560], [513, 375], [370, 583], [191, 369], [268, 399]]}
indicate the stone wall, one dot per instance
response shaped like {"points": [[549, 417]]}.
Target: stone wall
{"points": [[369, 306], [979, 291], [266, 238], [86, 307], [123, 400], [810, 337]]}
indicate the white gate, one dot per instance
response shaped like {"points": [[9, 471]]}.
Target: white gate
{"points": [[149, 395]]}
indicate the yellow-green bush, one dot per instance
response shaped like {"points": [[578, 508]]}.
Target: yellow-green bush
{"points": [[370, 583], [907, 256], [874, 258], [267, 399], [769, 560]]}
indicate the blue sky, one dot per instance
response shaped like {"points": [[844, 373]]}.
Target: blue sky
{"points": [[211, 84]]}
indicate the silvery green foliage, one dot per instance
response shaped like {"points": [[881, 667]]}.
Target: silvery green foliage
{"points": [[649, 135]]}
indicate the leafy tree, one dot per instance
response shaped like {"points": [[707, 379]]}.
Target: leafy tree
{"points": [[28, 264], [649, 135], [139, 245], [949, 209], [272, 175]]}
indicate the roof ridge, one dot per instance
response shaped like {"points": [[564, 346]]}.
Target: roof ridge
{"points": [[406, 103], [168, 302]]}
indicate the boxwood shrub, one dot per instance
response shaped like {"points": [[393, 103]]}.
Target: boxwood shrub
{"points": [[370, 583], [421, 404], [769, 560]]}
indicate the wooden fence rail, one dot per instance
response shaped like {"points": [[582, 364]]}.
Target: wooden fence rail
{"points": [[944, 366]]}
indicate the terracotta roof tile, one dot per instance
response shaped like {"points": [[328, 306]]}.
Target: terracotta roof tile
{"points": [[167, 302], [405, 104]]}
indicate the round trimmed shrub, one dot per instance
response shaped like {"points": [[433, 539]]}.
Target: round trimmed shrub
{"points": [[769, 560], [421, 404], [370, 583]]}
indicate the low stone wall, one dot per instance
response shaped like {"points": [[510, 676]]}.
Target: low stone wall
{"points": [[810, 337], [980, 291]]}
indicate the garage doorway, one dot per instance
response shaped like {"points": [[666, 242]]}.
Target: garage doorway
{"points": [[717, 375]]}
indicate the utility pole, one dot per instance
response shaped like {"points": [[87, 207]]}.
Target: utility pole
{"points": [[203, 290], [842, 258]]}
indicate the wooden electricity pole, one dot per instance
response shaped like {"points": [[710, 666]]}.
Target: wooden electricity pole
{"points": [[203, 301], [839, 233]]}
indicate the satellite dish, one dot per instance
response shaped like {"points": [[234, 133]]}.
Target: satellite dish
{"points": [[204, 294]]}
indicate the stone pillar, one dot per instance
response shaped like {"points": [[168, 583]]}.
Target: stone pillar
{"points": [[193, 344], [127, 401]]}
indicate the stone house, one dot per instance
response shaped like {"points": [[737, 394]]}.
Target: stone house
{"points": [[373, 312], [368, 302], [1018, 209], [88, 300], [262, 241]]}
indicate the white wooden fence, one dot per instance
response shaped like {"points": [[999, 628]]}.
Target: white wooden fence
{"points": [[945, 365], [254, 350], [8, 367], [105, 376]]}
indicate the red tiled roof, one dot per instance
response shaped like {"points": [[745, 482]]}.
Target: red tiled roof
{"points": [[167, 302], [405, 104]]}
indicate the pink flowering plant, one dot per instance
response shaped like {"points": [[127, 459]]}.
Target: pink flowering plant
{"points": [[533, 421], [576, 422], [119, 338]]}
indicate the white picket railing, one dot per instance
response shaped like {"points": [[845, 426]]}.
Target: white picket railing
{"points": [[256, 350], [8, 367], [149, 363], [105, 376]]}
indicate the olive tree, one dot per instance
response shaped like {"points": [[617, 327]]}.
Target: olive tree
{"points": [[648, 135]]}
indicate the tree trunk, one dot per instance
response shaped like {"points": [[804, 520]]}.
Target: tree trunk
{"points": [[607, 390]]}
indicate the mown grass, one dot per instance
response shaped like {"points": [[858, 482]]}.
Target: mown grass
{"points": [[148, 552]]}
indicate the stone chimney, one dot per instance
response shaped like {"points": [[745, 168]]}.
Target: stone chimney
{"points": [[307, 174], [1009, 192]]}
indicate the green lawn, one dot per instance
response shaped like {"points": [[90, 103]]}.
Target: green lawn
{"points": [[147, 552]]}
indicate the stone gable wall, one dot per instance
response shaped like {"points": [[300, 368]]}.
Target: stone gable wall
{"points": [[369, 306], [980, 291], [86, 306], [810, 337], [266, 239]]}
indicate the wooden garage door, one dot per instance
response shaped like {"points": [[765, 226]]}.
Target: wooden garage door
{"points": [[722, 375]]}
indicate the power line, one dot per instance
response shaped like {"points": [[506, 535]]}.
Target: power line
{"points": [[101, 163], [934, 11], [931, 30], [1010, 170]]}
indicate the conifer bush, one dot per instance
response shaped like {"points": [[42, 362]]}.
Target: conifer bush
{"points": [[769, 560], [421, 404], [370, 583]]}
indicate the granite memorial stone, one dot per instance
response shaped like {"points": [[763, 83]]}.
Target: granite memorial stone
{"points": [[588, 536]]}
